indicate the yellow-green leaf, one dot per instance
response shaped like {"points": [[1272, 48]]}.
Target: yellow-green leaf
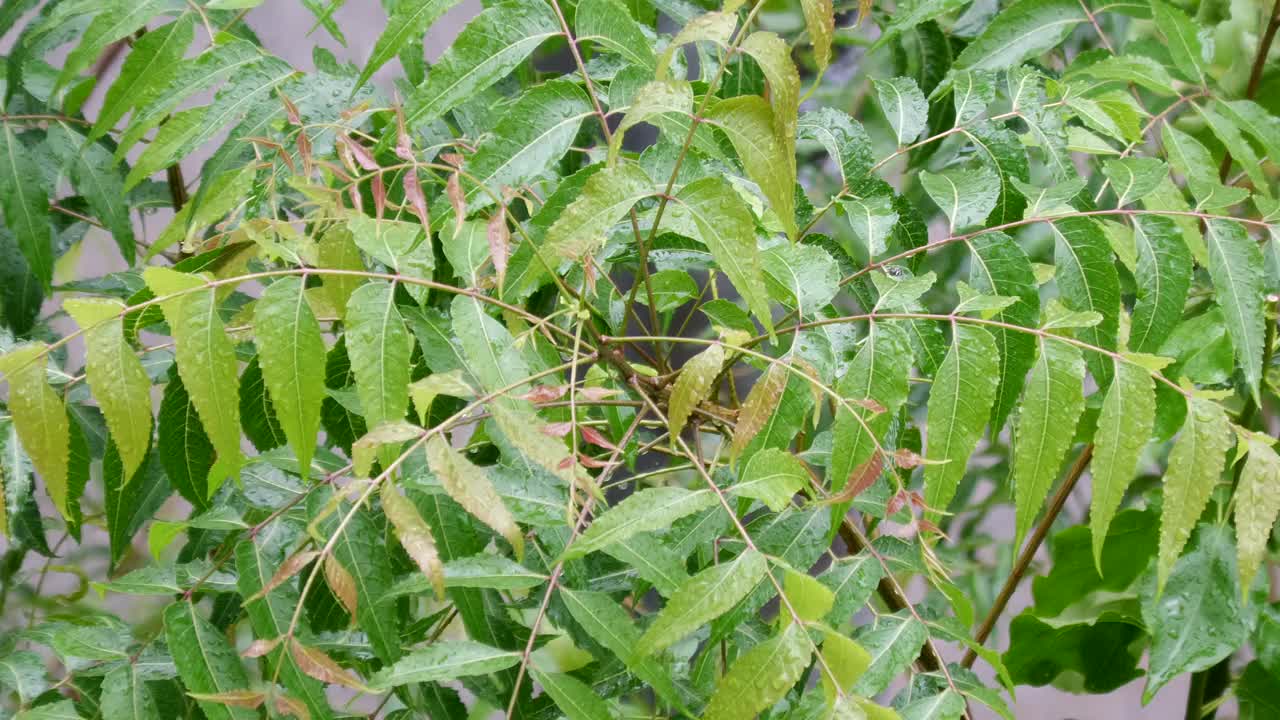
{"points": [[415, 535], [702, 599], [1124, 427], [40, 418], [379, 346], [1195, 466], [1257, 505], [964, 390], [470, 487], [761, 676], [292, 357], [693, 386]]}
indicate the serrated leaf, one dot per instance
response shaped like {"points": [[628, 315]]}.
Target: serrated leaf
{"points": [[773, 55], [291, 354], [407, 22], [24, 673], [610, 25], [1163, 275], [471, 488], [959, 404], [649, 509], [1000, 267], [415, 536], [1235, 266], [206, 361], [693, 386], [904, 106], [771, 476], [1124, 427], [1021, 32], [444, 660], [1133, 178], [116, 376], [761, 676], [40, 417], [206, 662], [25, 200], [706, 596], [1088, 281], [125, 695], [1051, 406], [894, 642], [1195, 464], [1182, 40], [94, 175], [584, 225], [747, 121], [1257, 504], [652, 100], [379, 346], [759, 406], [150, 63], [966, 195], [575, 699], [1241, 151], [879, 372]]}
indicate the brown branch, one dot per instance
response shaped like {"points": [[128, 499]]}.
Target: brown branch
{"points": [[1029, 552], [1255, 75]]}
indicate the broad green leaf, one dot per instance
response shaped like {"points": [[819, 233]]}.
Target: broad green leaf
{"points": [[710, 210], [1186, 154], [40, 417], [714, 27], [153, 59], [128, 502], [649, 509], [1257, 504], [773, 477], [470, 487], [24, 673], [1258, 692], [901, 291], [205, 360], [693, 386], [706, 596], [577, 700], [1124, 427], [966, 195], [206, 662], [946, 705], [491, 354], [1137, 69], [1133, 178], [873, 219], [379, 345], [649, 102], [116, 376], [1197, 620], [407, 21], [57, 710], [1195, 465], [186, 452], [1182, 40], [972, 91], [291, 354], [811, 599], [402, 246], [444, 660], [1051, 406], [609, 24], [125, 695], [847, 661], [116, 21], [913, 13], [1163, 275], [903, 106], [584, 225], [1088, 281], [761, 676], [1004, 154], [959, 405], [493, 44], [24, 197], [94, 175], [804, 277], [998, 266], [609, 624], [1021, 32], [852, 579], [894, 642], [879, 373], [1235, 265], [1240, 149], [844, 139]]}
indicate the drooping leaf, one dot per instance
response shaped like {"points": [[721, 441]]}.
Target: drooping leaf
{"points": [[583, 226], [651, 101], [610, 25], [703, 598], [761, 676], [444, 660], [1181, 39], [291, 354], [904, 106], [1257, 506], [650, 509], [1195, 464], [894, 642], [966, 195], [206, 662], [693, 386], [25, 201], [1000, 267], [93, 173], [771, 476], [151, 62], [468, 485], [577, 700], [959, 404], [40, 417], [406, 22], [1087, 278], [773, 56], [1235, 265], [1124, 427]]}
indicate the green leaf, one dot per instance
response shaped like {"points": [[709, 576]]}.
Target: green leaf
{"points": [[291, 354], [1137, 69], [186, 454], [761, 676], [402, 246], [1240, 149], [1163, 274], [773, 55], [811, 599], [1195, 464], [1124, 427], [693, 386], [95, 177], [116, 377], [904, 106], [894, 642], [584, 225], [470, 487], [40, 417], [844, 139], [577, 700], [706, 596], [444, 660], [1197, 620], [116, 21], [476, 571], [1021, 32], [959, 404], [946, 705], [24, 673], [773, 477], [1257, 504], [805, 277], [715, 27], [1000, 267], [1133, 178], [1182, 40], [206, 361], [652, 100], [1088, 281], [1235, 265], [879, 373], [407, 21], [125, 695], [57, 710], [873, 219], [379, 345], [710, 210], [649, 509], [152, 61], [1258, 692], [414, 535], [493, 44], [206, 662], [609, 24], [24, 197], [128, 502], [1051, 406], [966, 195], [1252, 118]]}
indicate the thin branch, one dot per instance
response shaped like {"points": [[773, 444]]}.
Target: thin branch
{"points": [[1255, 75]]}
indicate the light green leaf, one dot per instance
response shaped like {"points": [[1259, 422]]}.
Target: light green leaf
{"points": [[1020, 32], [903, 106], [291, 354], [747, 120], [40, 418], [946, 705], [1182, 40], [1088, 281], [470, 487], [609, 24], [761, 676], [811, 599], [692, 386], [894, 642], [493, 44], [1257, 504], [715, 27], [414, 534], [649, 102], [773, 477], [95, 177], [576, 700], [1250, 117], [24, 672], [379, 346], [706, 596], [1137, 69], [116, 376], [879, 372], [1235, 265], [1240, 149], [873, 219], [1124, 427], [901, 291], [1133, 178], [1195, 466], [966, 195], [152, 61], [650, 509], [444, 660], [959, 404], [1051, 406], [584, 225], [1163, 275], [773, 55], [407, 21], [125, 695], [116, 21], [847, 660], [206, 662], [805, 277]]}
